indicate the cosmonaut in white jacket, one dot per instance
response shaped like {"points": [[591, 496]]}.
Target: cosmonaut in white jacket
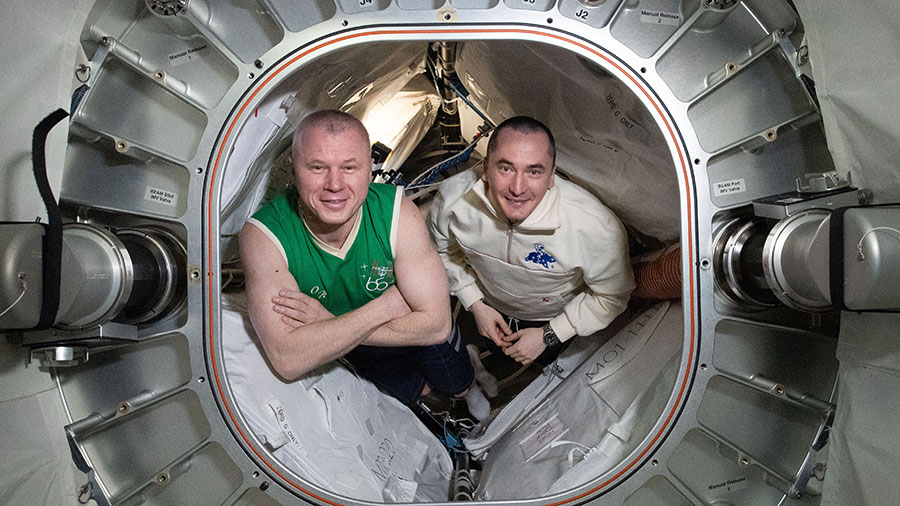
{"points": [[523, 246]]}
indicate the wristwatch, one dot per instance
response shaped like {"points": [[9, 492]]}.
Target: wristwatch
{"points": [[550, 337]]}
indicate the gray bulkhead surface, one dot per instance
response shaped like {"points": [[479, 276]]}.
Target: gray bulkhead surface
{"points": [[678, 114]]}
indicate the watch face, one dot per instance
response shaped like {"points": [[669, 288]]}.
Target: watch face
{"points": [[550, 337], [167, 7]]}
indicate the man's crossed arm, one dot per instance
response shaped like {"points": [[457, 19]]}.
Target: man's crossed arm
{"points": [[298, 334]]}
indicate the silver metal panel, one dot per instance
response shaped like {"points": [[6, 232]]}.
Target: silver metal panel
{"points": [[137, 447], [768, 429], [255, 497], [420, 4], [154, 187], [770, 15], [595, 14], [258, 31], [532, 5], [296, 15], [474, 4], [187, 57], [128, 106], [657, 491], [801, 361], [357, 6], [643, 26], [209, 470], [116, 375], [109, 18], [714, 40], [717, 475], [722, 118], [741, 176]]}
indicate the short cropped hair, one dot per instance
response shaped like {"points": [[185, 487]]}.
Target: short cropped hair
{"points": [[332, 121], [523, 124]]}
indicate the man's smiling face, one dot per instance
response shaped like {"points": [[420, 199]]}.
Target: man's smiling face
{"points": [[332, 172], [518, 172]]}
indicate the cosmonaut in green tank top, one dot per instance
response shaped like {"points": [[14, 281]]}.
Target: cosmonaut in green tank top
{"points": [[342, 280]]}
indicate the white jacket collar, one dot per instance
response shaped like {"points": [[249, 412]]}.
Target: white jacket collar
{"points": [[544, 217]]}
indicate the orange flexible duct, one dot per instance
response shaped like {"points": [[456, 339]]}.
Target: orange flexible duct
{"points": [[659, 278]]}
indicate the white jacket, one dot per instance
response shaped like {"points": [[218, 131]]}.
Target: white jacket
{"points": [[567, 262]]}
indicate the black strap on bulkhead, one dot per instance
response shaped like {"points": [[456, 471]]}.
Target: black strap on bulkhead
{"points": [[52, 246]]}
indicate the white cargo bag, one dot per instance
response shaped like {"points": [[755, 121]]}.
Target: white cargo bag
{"points": [[573, 426], [332, 428]]}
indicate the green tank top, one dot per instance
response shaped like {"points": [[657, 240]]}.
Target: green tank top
{"points": [[340, 284]]}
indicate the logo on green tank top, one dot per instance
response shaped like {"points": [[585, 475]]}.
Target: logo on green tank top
{"points": [[378, 277]]}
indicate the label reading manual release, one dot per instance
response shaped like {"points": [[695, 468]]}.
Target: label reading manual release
{"points": [[729, 187], [724, 487], [660, 17], [161, 196], [189, 54]]}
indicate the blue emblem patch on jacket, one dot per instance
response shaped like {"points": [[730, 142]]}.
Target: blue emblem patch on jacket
{"points": [[540, 257]]}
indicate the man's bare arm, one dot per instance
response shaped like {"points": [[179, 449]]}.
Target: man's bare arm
{"points": [[422, 281], [293, 351]]}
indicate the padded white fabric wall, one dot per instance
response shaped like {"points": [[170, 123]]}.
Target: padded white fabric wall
{"points": [[36, 468], [853, 49], [38, 58], [40, 50], [864, 448]]}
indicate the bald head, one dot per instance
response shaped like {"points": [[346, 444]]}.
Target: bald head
{"points": [[331, 122], [332, 161]]}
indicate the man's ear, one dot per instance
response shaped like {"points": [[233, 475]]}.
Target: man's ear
{"points": [[552, 177]]}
